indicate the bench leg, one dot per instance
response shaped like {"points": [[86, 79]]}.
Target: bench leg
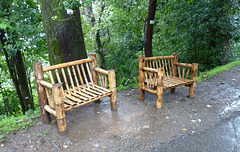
{"points": [[172, 90], [160, 89], [192, 90], [140, 94], [59, 107], [112, 86]]}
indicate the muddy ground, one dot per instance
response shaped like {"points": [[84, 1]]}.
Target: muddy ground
{"points": [[136, 126]]}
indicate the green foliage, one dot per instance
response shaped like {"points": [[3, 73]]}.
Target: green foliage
{"points": [[200, 31], [13, 123]]}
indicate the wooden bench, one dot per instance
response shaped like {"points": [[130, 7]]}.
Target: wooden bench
{"points": [[164, 72], [66, 86]]}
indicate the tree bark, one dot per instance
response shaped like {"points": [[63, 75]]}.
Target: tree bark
{"points": [[64, 34], [150, 22]]}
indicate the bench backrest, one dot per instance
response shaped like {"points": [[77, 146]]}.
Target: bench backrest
{"points": [[170, 65], [70, 74]]}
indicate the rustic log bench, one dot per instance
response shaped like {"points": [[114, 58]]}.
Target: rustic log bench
{"points": [[164, 72], [71, 85]]}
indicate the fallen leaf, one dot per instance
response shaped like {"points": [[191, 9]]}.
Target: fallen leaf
{"points": [[2, 145], [213, 92], [184, 129], [167, 117], [199, 120], [193, 132]]}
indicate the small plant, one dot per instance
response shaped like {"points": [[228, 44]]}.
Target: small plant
{"points": [[38, 135], [2, 138], [46, 133]]}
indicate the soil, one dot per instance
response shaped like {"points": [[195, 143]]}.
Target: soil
{"points": [[136, 126]]}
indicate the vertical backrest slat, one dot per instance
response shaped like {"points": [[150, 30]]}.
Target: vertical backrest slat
{"points": [[71, 79], [58, 79], [84, 74], [51, 77], [65, 79], [173, 72], [179, 72], [146, 78], [163, 68], [80, 75], [187, 73], [183, 72], [170, 69], [105, 86], [89, 73], [75, 76], [166, 71]]}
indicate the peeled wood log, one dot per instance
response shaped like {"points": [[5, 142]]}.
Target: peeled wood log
{"points": [[112, 86], [160, 88], [194, 72], [102, 71], [59, 107], [184, 65], [93, 68], [158, 58], [64, 65], [46, 84], [150, 69], [50, 110], [149, 90], [42, 96], [141, 78]]}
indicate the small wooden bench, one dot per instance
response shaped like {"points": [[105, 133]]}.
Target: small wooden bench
{"points": [[66, 86], [164, 72]]}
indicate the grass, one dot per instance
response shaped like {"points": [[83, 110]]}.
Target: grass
{"points": [[213, 72], [13, 123]]}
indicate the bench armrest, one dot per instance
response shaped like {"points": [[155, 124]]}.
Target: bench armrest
{"points": [[102, 71], [46, 84], [184, 72]]}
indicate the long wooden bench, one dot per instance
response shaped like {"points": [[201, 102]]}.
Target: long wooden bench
{"points": [[66, 86], [164, 72]]}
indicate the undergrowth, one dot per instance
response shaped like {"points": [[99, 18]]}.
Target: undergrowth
{"points": [[13, 123]]}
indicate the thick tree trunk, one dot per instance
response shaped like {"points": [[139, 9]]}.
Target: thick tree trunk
{"points": [[64, 34], [150, 22]]}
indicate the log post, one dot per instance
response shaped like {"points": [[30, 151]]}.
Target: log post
{"points": [[59, 107], [93, 66], [175, 61], [42, 96], [194, 72], [141, 78], [160, 88], [112, 86]]}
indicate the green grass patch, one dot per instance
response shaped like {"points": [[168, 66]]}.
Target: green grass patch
{"points": [[13, 123], [212, 73]]}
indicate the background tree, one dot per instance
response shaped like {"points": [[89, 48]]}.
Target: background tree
{"points": [[16, 17], [63, 29]]}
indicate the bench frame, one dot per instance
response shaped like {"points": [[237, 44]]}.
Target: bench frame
{"points": [[164, 72], [56, 98]]}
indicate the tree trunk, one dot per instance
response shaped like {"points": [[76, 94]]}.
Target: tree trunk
{"points": [[17, 71], [150, 22], [23, 82], [64, 34], [4, 100]]}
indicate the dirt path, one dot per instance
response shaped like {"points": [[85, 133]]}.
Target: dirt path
{"points": [[136, 126]]}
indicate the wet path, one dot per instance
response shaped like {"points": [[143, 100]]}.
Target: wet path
{"points": [[182, 124]]}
